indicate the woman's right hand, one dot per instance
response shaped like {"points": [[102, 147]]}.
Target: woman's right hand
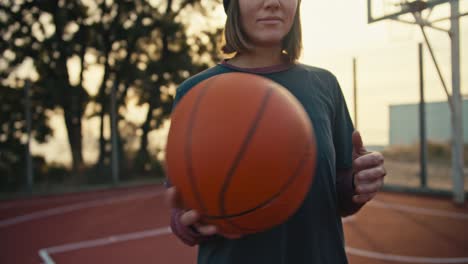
{"points": [[191, 218]]}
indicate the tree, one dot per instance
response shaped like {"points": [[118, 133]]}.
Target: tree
{"points": [[49, 34], [143, 46], [13, 133], [147, 48]]}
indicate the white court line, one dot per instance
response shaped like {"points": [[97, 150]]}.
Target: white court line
{"points": [[48, 199], [45, 257], [409, 259], [45, 200], [74, 207], [405, 259], [418, 210], [46, 252]]}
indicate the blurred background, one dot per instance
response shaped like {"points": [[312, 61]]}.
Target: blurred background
{"points": [[86, 91], [79, 77], [87, 73]]}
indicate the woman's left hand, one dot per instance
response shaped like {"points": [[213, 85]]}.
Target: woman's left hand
{"points": [[368, 170]]}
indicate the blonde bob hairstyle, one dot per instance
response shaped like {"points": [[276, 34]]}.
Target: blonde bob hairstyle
{"points": [[236, 41]]}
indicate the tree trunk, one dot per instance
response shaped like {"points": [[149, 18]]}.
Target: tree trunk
{"points": [[73, 124], [70, 98], [143, 154], [102, 99]]}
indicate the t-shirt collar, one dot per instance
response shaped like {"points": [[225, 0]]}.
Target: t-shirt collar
{"points": [[259, 70]]}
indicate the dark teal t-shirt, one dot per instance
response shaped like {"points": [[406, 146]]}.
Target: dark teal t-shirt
{"points": [[314, 234]]}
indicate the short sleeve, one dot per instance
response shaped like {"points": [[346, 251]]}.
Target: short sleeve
{"points": [[342, 128], [180, 92]]}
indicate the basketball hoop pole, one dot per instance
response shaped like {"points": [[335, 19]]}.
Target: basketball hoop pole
{"points": [[455, 101], [457, 125], [419, 21], [405, 10]]}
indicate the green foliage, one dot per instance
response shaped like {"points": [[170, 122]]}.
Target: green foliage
{"points": [[143, 46]]}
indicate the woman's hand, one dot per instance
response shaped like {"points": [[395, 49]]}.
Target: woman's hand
{"points": [[368, 170], [191, 218]]}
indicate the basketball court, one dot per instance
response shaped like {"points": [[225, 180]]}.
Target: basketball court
{"points": [[131, 226]]}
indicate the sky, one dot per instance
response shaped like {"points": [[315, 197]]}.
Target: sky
{"points": [[335, 32]]}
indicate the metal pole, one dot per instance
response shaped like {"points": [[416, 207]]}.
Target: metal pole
{"points": [[355, 93], [29, 161], [422, 120], [115, 154], [369, 12], [431, 52], [457, 125]]}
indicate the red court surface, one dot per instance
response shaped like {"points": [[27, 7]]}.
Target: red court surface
{"points": [[131, 226]]}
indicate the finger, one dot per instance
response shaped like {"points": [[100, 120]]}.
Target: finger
{"points": [[189, 218], [368, 188], [367, 161], [369, 175], [357, 140], [206, 230], [358, 146], [363, 198]]}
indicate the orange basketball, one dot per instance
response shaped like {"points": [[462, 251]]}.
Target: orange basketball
{"points": [[241, 150]]}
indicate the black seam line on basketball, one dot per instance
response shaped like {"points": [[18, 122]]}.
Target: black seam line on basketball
{"points": [[188, 145], [243, 149], [253, 129], [276, 195], [296, 173]]}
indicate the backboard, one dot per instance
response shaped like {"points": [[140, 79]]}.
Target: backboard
{"points": [[378, 10]]}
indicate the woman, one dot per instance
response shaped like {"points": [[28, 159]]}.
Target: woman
{"points": [[265, 38]]}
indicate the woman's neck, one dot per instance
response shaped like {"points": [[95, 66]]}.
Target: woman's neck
{"points": [[258, 58]]}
